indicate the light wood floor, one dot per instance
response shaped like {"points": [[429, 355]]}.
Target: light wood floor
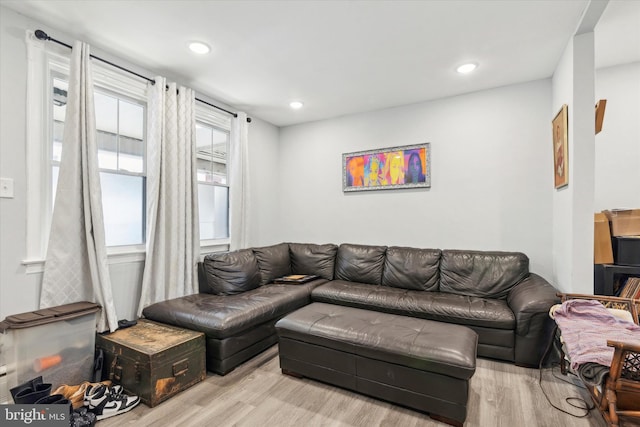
{"points": [[258, 394]]}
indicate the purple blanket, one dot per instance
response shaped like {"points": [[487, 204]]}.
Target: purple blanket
{"points": [[586, 325]]}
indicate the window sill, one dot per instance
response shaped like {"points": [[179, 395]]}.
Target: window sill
{"points": [[33, 266], [126, 254], [212, 246], [117, 255], [130, 254]]}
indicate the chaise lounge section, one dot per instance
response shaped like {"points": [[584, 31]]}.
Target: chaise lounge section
{"points": [[492, 293], [238, 305]]}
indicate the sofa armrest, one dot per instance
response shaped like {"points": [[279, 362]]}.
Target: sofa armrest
{"points": [[531, 296], [530, 301]]}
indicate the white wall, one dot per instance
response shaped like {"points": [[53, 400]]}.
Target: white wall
{"points": [[583, 171], [617, 147], [19, 291], [491, 174], [263, 181], [573, 84], [562, 207]]}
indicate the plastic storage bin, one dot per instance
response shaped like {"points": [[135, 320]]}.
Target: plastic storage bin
{"points": [[57, 343], [626, 250]]}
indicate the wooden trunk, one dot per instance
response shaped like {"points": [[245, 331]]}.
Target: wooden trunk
{"points": [[153, 360]]}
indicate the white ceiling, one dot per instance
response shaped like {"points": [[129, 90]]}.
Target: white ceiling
{"points": [[338, 57]]}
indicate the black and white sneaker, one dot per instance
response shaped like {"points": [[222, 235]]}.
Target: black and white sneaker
{"points": [[116, 390], [105, 404], [94, 389]]}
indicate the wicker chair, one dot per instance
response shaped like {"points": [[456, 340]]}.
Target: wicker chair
{"points": [[619, 395]]}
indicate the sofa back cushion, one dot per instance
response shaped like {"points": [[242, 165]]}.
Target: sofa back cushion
{"points": [[273, 262], [231, 273], [411, 268], [482, 274], [307, 258], [360, 263]]}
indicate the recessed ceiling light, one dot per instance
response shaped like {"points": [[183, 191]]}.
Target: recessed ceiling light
{"points": [[199, 47], [296, 105], [466, 68]]}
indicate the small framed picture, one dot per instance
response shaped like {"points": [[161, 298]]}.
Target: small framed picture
{"points": [[406, 166], [561, 148]]}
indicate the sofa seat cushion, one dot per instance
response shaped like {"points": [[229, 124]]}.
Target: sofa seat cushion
{"points": [[444, 307], [226, 316]]}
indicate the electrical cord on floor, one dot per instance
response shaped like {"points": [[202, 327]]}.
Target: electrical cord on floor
{"points": [[567, 381], [583, 404]]}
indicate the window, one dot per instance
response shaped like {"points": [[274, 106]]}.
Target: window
{"points": [[120, 104], [212, 147], [120, 125]]}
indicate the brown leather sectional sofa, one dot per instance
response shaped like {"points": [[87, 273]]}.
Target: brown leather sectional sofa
{"points": [[493, 293]]}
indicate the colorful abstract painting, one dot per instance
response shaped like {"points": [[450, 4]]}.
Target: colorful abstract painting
{"points": [[390, 168]]}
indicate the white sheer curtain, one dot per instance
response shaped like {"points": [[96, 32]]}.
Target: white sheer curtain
{"points": [[239, 183], [76, 266], [173, 240]]}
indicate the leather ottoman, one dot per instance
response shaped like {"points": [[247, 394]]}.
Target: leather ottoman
{"points": [[417, 363]]}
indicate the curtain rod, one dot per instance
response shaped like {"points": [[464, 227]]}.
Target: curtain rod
{"points": [[41, 35]]}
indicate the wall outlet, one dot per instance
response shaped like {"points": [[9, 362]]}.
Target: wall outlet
{"points": [[6, 188]]}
